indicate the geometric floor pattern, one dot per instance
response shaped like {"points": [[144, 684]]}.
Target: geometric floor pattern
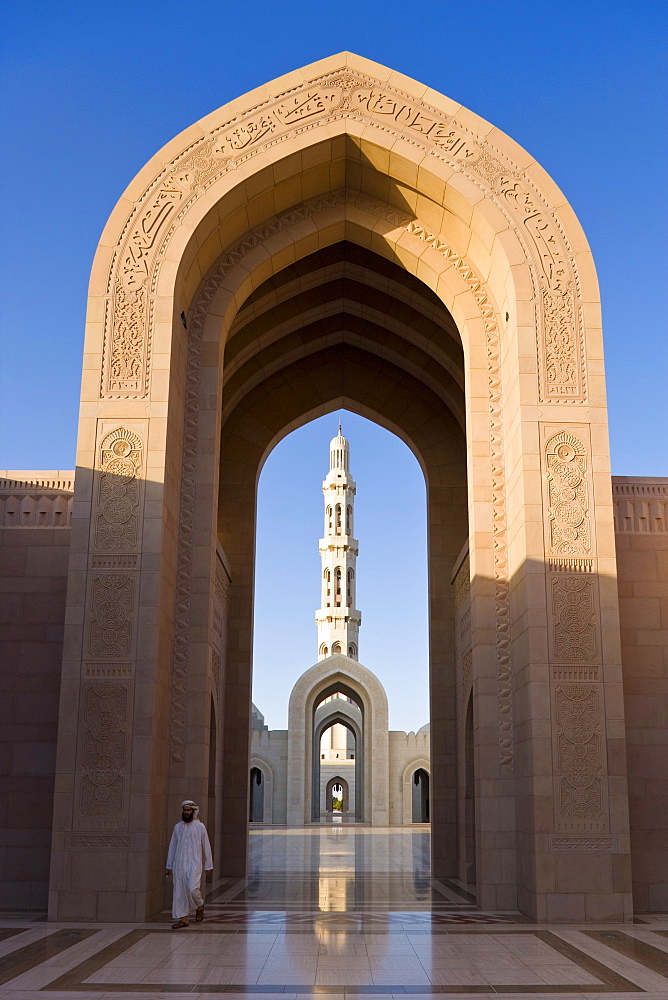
{"points": [[348, 911]]}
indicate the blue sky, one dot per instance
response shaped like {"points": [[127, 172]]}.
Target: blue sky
{"points": [[89, 91]]}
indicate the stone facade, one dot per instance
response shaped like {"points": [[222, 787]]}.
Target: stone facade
{"points": [[346, 237], [35, 511], [641, 525]]}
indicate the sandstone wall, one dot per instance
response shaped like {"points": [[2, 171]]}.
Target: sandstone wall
{"points": [[34, 550], [642, 565]]}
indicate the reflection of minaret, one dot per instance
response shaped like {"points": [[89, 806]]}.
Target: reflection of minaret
{"points": [[338, 620]]}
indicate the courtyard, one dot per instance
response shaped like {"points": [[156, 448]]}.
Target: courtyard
{"points": [[344, 909]]}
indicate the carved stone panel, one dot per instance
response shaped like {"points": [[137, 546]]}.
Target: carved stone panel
{"points": [[574, 618], [118, 492], [461, 586], [112, 613], [467, 675], [566, 472], [103, 755], [583, 845], [580, 778], [392, 113], [215, 672]]}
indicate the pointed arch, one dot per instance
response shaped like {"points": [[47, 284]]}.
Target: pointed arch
{"points": [[488, 345]]}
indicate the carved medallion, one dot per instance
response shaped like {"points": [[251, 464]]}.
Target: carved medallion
{"points": [[117, 517], [567, 495]]}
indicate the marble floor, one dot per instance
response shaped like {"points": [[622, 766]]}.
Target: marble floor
{"points": [[334, 909]]}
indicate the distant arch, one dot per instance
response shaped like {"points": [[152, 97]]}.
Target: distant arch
{"points": [[415, 764], [334, 674], [258, 763], [345, 794]]}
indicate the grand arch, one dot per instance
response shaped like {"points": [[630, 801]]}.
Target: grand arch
{"points": [[343, 236]]}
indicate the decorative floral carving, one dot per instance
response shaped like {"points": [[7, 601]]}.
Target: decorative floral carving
{"points": [[103, 754], [579, 755], [222, 584], [462, 583], [568, 502], [573, 619], [117, 518], [215, 670], [97, 842], [467, 674], [562, 364], [560, 349], [582, 845], [127, 356], [465, 624], [112, 604]]}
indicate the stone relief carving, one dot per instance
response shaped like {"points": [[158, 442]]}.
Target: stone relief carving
{"points": [[467, 674], [575, 672], [579, 764], [499, 529], [112, 604], [568, 500], [103, 752], [215, 671], [584, 845], [117, 518], [573, 618], [126, 359], [462, 583], [97, 842], [561, 565], [107, 669], [222, 587], [222, 584]]}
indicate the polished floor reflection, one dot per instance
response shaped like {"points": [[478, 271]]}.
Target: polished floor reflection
{"points": [[334, 909]]}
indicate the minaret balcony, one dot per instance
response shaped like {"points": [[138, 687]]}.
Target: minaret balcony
{"points": [[345, 542], [343, 614]]}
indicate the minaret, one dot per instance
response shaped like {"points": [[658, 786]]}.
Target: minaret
{"points": [[338, 620]]}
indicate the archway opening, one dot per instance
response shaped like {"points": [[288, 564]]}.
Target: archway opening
{"points": [[337, 796], [338, 748], [296, 529], [256, 797], [345, 327], [420, 796]]}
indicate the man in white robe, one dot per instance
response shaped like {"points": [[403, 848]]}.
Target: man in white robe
{"points": [[189, 844]]}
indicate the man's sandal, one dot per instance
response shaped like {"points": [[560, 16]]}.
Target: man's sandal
{"points": [[199, 914], [178, 924]]}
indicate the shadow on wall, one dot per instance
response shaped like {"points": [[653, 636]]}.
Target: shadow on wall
{"points": [[117, 698]]}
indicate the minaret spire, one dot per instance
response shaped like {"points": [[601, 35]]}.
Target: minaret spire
{"points": [[338, 619]]}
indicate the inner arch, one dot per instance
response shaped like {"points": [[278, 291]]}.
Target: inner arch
{"points": [[344, 326]]}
